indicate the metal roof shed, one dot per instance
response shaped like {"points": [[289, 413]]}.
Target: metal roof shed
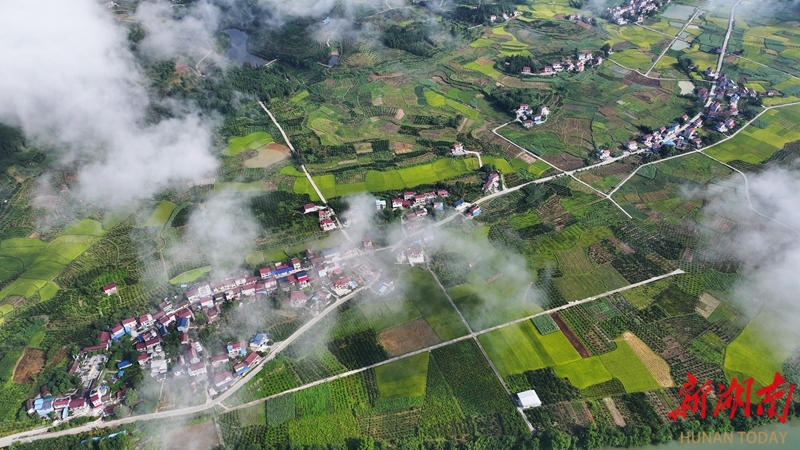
{"points": [[529, 399]]}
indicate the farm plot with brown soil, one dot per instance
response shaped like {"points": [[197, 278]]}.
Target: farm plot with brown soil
{"points": [[564, 161], [408, 337], [571, 336], [657, 367], [401, 147], [202, 436], [29, 365]]}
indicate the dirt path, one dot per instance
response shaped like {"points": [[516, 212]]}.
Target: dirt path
{"points": [[571, 336], [612, 408]]}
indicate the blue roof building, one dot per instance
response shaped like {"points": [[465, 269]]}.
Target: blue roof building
{"points": [[123, 364]]}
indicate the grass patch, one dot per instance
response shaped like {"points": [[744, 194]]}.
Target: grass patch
{"points": [[191, 275], [252, 141]]}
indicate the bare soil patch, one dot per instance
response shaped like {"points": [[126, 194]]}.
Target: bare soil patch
{"points": [[401, 147], [657, 367], [707, 304], [564, 161], [29, 365], [374, 77], [390, 128], [527, 157], [378, 101], [267, 156], [408, 337], [571, 337], [198, 437], [621, 245], [485, 61], [399, 114], [363, 147], [612, 408], [636, 78]]}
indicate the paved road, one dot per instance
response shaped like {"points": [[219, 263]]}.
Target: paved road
{"points": [[471, 335], [727, 36], [677, 36]]}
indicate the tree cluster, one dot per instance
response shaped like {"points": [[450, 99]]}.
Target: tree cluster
{"points": [[412, 38]]}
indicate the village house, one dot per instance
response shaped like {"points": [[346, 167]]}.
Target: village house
{"points": [[223, 380], [218, 360], [109, 289], [474, 211], [197, 369], [526, 70], [297, 299], [491, 182], [327, 225], [309, 208], [604, 154], [236, 349], [380, 204]]}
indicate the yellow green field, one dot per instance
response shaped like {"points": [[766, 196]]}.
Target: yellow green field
{"points": [[754, 144], [756, 352], [520, 347]]}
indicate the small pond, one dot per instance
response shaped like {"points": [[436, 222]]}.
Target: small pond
{"points": [[238, 51]]}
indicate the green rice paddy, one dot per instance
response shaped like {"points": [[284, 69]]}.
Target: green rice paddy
{"points": [[756, 352], [520, 347], [624, 365], [403, 378]]}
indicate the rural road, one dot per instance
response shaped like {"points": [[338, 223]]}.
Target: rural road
{"points": [[471, 335]]}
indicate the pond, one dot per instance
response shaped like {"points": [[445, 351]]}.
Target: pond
{"points": [[678, 12], [238, 51], [679, 45], [687, 87]]}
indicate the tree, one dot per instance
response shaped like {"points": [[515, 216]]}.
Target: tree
{"points": [[606, 49], [131, 397], [366, 443]]}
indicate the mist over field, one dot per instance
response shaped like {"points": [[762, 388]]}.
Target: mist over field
{"points": [[768, 249]]}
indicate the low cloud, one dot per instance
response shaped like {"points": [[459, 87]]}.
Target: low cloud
{"points": [[769, 248], [73, 86], [223, 230]]}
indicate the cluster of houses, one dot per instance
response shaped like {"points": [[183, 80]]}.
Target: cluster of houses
{"points": [[45, 405], [633, 11], [580, 18], [529, 117], [672, 135], [326, 222], [583, 60], [505, 17]]}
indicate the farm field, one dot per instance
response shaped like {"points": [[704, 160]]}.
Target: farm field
{"points": [[161, 215], [36, 262], [387, 313], [404, 378], [754, 352], [624, 365], [520, 347], [754, 145], [432, 304], [252, 141], [584, 372], [397, 179]]}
